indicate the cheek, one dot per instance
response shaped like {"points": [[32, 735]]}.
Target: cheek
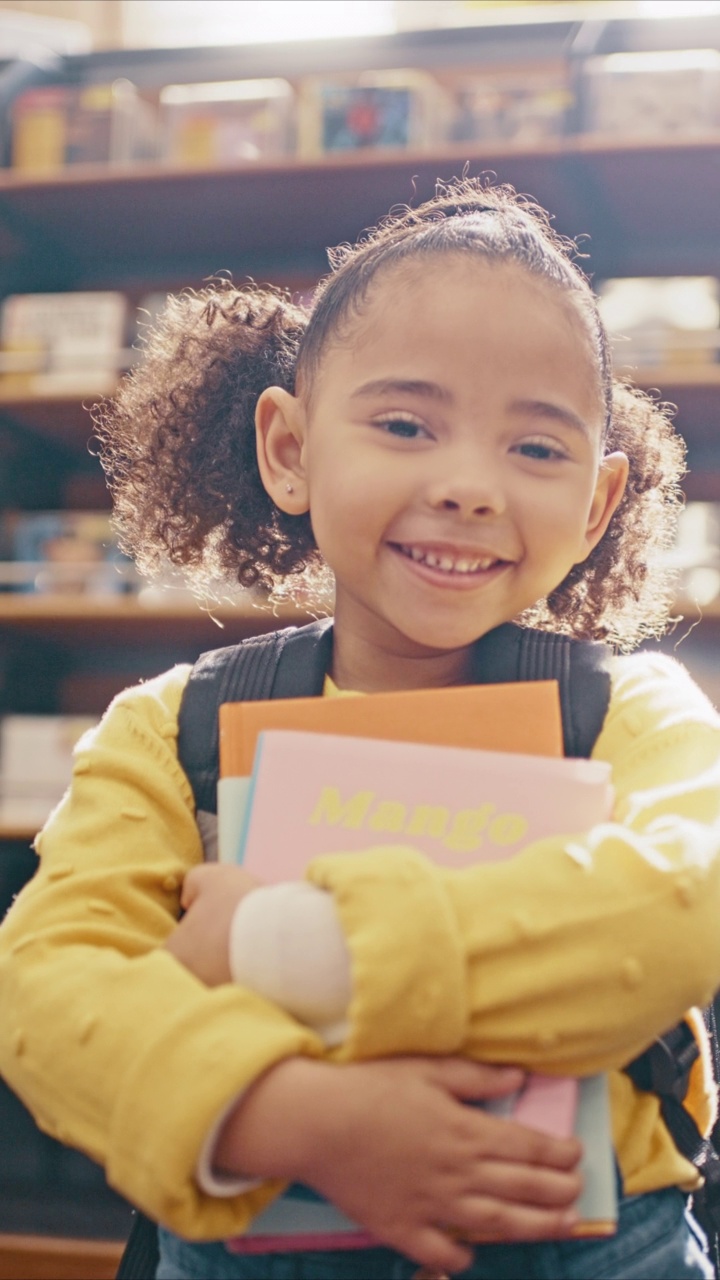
{"points": [[556, 524], [339, 516]]}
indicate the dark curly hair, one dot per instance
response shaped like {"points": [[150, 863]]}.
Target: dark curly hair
{"points": [[178, 441]]}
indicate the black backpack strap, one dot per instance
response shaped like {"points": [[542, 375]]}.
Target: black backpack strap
{"points": [[664, 1069], [581, 668], [282, 664], [292, 664], [141, 1254]]}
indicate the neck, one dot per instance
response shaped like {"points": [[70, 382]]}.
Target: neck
{"points": [[360, 665]]}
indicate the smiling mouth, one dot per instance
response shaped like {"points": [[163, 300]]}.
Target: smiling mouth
{"points": [[442, 562]]}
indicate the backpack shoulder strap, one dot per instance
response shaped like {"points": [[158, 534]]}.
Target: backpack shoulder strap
{"points": [[581, 668], [282, 664]]}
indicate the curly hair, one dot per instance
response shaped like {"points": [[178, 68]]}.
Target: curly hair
{"points": [[178, 441]]}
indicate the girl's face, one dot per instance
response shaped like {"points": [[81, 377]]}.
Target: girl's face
{"points": [[450, 457]]}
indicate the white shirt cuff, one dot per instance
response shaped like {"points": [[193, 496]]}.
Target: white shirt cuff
{"points": [[208, 1180], [286, 943]]}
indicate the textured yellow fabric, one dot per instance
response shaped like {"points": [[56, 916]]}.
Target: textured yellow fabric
{"points": [[113, 1045], [571, 956], [578, 951]]}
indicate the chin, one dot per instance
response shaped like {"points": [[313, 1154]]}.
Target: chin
{"points": [[443, 640]]}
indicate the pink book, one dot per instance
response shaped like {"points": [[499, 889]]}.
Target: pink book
{"points": [[314, 793]]}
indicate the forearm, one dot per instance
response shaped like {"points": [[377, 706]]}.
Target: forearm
{"points": [[113, 1045], [574, 954], [139, 1086], [395, 1148], [544, 983]]}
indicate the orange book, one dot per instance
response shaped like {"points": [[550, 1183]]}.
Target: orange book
{"points": [[524, 717], [394, 771]]}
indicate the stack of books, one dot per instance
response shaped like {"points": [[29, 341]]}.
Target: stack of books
{"points": [[464, 775]]}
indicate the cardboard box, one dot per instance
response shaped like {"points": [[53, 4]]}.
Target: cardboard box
{"points": [[57, 125], [227, 122], [652, 94]]}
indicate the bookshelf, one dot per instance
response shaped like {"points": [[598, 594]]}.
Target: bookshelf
{"points": [[72, 618], [628, 198], [643, 207], [49, 1258]]}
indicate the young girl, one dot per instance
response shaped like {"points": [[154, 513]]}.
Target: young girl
{"points": [[441, 433]]}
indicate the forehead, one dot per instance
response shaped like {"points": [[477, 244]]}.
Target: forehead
{"points": [[457, 317]]}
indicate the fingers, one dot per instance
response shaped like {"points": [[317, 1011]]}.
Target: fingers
{"points": [[524, 1185], [436, 1250], [485, 1220], [520, 1145], [473, 1081], [192, 885], [211, 876]]}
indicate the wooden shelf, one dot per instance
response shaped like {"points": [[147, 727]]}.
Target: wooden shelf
{"points": [[20, 832], [63, 418], [125, 619], [51, 1258], [663, 377], [695, 388], [617, 192], [692, 612]]}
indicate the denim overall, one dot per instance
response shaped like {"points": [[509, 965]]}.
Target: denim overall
{"points": [[657, 1239]]}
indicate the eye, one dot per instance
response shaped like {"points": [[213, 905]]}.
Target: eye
{"points": [[403, 428], [541, 450]]}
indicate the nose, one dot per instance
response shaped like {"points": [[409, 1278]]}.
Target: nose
{"points": [[471, 486]]}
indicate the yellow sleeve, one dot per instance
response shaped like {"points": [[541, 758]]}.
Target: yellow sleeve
{"points": [[575, 954], [112, 1044]]}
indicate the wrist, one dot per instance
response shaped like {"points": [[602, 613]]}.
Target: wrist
{"points": [[274, 1127]]}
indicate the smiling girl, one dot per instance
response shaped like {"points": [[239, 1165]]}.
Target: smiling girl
{"points": [[442, 435]]}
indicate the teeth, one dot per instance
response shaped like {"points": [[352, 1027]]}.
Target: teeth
{"points": [[446, 563]]}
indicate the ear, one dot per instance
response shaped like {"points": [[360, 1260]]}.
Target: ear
{"points": [[609, 489], [280, 429]]}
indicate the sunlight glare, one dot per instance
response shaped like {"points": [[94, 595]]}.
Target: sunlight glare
{"points": [[220, 22]]}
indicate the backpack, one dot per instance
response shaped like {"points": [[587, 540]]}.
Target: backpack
{"points": [[293, 663]]}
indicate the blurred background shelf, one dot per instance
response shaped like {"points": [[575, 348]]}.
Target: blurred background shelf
{"points": [[628, 198], [75, 619], [16, 832], [66, 421], [638, 207], [33, 1257]]}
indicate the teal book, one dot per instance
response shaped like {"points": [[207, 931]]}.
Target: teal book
{"points": [[301, 1220], [460, 806]]}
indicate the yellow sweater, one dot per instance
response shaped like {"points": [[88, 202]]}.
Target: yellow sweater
{"points": [[570, 957]]}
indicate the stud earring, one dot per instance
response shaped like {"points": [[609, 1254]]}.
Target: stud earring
{"points": [[289, 488]]}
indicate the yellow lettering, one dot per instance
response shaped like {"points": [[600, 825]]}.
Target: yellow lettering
{"points": [[428, 820], [464, 834], [331, 809], [507, 828], [389, 816]]}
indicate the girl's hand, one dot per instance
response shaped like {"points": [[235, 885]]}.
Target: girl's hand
{"points": [[394, 1146], [200, 941]]}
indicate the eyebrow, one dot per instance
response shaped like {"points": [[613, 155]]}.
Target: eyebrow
{"points": [[442, 395], [545, 409], [404, 386]]}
